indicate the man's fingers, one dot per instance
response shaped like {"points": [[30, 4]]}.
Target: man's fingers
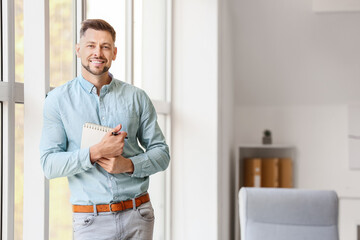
{"points": [[103, 161], [117, 128], [107, 164], [123, 134]]}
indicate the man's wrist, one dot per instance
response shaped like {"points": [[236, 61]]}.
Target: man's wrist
{"points": [[95, 153], [131, 166]]}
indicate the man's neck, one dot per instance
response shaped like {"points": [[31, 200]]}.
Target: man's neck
{"points": [[98, 80]]}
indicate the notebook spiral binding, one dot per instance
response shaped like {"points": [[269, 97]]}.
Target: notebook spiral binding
{"points": [[97, 127]]}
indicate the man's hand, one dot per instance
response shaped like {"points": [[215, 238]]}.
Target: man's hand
{"points": [[110, 146], [116, 165]]}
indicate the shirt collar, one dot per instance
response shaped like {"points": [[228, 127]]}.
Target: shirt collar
{"points": [[106, 87], [89, 87]]}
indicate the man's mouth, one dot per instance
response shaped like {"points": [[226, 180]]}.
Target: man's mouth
{"points": [[97, 61]]}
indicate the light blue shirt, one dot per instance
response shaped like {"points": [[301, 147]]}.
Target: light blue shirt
{"points": [[68, 107]]}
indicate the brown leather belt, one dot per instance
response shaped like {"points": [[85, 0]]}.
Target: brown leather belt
{"points": [[112, 207]]}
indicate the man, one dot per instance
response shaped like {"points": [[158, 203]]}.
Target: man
{"points": [[109, 180]]}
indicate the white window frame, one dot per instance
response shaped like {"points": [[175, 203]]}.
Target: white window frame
{"points": [[32, 92], [162, 107], [8, 116], [36, 85]]}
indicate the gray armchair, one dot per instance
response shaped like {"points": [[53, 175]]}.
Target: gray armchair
{"points": [[288, 214]]}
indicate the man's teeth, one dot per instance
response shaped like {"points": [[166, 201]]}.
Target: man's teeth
{"points": [[94, 61]]}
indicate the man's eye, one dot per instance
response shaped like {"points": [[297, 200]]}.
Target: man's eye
{"points": [[106, 47], [90, 46]]}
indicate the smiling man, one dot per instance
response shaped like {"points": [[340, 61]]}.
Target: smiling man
{"points": [[109, 180]]}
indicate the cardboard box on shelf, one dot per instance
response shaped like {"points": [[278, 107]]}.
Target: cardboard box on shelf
{"points": [[270, 172], [286, 173], [252, 174]]}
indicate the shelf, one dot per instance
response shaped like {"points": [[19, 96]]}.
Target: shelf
{"points": [[247, 145], [248, 150]]}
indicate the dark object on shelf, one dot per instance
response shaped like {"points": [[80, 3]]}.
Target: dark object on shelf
{"points": [[267, 137]]}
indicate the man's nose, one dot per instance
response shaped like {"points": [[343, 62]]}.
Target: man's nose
{"points": [[97, 51]]}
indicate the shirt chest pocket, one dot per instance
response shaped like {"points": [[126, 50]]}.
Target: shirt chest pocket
{"points": [[129, 122]]}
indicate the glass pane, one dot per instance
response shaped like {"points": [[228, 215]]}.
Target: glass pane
{"points": [[62, 50], [60, 210], [157, 191], [19, 122], [1, 56], [115, 16], [19, 171], [61, 70], [19, 41], [150, 47], [1, 156]]}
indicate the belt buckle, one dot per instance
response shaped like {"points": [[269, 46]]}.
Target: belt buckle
{"points": [[110, 210], [122, 206]]}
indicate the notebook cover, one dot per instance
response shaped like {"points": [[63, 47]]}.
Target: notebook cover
{"points": [[92, 134]]}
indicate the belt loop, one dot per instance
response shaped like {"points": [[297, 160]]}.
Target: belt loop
{"points": [[134, 204], [95, 210]]}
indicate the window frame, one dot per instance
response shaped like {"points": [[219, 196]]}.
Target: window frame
{"points": [[161, 106], [7, 97], [36, 85]]}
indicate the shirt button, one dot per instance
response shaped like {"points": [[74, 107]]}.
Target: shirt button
{"points": [[112, 178], [115, 197], [103, 118]]}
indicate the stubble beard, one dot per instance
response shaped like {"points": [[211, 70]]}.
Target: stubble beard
{"points": [[105, 69]]}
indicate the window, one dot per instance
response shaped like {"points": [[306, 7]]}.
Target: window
{"points": [[143, 60], [12, 119], [19, 41], [151, 74], [1, 154], [62, 70], [150, 47], [19, 171], [19, 123], [62, 48], [113, 12], [157, 191]]}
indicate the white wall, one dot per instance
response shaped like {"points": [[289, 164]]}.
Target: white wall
{"points": [[195, 120], [296, 73], [285, 53]]}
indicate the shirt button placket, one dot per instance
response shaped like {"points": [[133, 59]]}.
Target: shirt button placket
{"points": [[102, 111], [114, 187]]}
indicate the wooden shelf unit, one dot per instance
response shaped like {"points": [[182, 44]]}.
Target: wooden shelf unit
{"points": [[258, 151]]}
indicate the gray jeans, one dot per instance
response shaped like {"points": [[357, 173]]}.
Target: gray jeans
{"points": [[128, 224]]}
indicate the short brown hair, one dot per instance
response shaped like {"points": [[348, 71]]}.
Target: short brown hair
{"points": [[97, 24]]}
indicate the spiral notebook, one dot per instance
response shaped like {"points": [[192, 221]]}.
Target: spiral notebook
{"points": [[92, 134]]}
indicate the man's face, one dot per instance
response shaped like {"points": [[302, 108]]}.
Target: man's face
{"points": [[96, 50]]}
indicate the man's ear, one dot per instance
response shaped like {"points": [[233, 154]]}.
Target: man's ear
{"points": [[77, 49], [115, 53]]}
